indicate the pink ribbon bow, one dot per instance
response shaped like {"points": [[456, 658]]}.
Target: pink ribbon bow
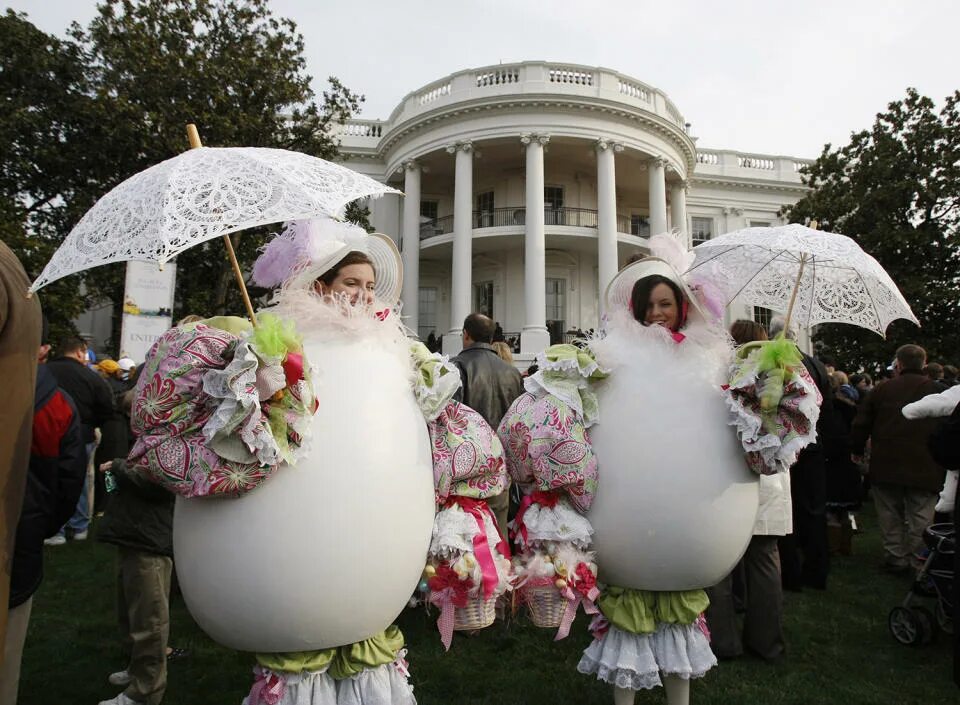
{"points": [[446, 592], [584, 591], [268, 687]]}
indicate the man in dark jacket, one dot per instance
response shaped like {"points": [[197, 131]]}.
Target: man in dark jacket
{"points": [[139, 522], [489, 387], [55, 476], [94, 402], [905, 480]]}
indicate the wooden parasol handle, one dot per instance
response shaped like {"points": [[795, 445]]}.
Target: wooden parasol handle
{"points": [[195, 143]]}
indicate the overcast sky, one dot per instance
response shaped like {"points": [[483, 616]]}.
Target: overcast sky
{"points": [[773, 77]]}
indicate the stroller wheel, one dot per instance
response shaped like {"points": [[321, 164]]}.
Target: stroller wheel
{"points": [[904, 626], [944, 620], [928, 624]]}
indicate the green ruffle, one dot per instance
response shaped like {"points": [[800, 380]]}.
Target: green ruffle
{"points": [[342, 661], [640, 611], [568, 372]]}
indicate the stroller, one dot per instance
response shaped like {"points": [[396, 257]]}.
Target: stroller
{"points": [[912, 623]]}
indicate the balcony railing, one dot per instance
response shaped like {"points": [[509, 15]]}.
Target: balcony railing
{"points": [[507, 217]]}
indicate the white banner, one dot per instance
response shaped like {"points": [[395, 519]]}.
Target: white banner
{"points": [[147, 307]]}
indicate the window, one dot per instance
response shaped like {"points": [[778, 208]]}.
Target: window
{"points": [[429, 209], [556, 309], [428, 312], [701, 229], [428, 218], [483, 298], [762, 316], [485, 209], [639, 225], [553, 205], [758, 224]]}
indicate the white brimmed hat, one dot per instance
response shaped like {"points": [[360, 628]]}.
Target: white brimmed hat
{"points": [[307, 249], [620, 289]]}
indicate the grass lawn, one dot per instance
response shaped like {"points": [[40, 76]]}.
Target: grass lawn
{"points": [[840, 650]]}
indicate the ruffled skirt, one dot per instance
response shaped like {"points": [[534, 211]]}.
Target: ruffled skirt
{"points": [[383, 685], [635, 661]]}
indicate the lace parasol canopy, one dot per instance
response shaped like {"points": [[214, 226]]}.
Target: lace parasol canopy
{"points": [[200, 195], [838, 281]]}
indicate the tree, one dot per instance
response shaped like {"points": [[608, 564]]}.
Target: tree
{"points": [[149, 67], [45, 108], [895, 189]]}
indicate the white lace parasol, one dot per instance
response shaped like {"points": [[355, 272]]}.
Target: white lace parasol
{"points": [[202, 194], [838, 281]]}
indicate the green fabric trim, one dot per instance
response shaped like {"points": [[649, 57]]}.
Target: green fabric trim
{"points": [[341, 661], [231, 324], [369, 653], [640, 611], [274, 337], [583, 357], [297, 661]]}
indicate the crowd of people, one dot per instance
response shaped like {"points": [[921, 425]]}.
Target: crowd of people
{"points": [[80, 409]]}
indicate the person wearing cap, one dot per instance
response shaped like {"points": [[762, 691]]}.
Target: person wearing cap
{"points": [[114, 431]]}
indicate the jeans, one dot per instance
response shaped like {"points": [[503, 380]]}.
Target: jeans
{"points": [[80, 521]]}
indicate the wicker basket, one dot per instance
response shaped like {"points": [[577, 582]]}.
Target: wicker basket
{"points": [[478, 613], [545, 604]]}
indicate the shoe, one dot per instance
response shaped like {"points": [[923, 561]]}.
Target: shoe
{"points": [[55, 540], [81, 535], [175, 653], [121, 699], [119, 678]]}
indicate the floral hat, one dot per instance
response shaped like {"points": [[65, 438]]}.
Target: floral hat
{"points": [[307, 249]]}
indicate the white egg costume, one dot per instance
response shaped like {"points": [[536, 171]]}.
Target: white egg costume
{"points": [[675, 503], [326, 552]]}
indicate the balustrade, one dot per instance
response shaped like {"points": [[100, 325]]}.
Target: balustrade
{"points": [[498, 77], [510, 217], [580, 78]]}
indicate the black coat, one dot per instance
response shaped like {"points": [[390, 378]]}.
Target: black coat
{"points": [[88, 390], [58, 467], [489, 384], [139, 515]]}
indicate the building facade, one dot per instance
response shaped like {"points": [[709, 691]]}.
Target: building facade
{"points": [[527, 186]]}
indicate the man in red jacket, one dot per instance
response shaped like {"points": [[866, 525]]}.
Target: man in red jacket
{"points": [[57, 469], [905, 480]]}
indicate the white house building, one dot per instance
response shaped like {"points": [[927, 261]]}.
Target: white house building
{"points": [[528, 185]]}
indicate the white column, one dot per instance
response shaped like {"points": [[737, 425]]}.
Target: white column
{"points": [[411, 245], [678, 208], [462, 285], [607, 261], [658, 196], [534, 336]]}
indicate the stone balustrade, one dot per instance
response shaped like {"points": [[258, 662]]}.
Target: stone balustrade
{"points": [[713, 162]]}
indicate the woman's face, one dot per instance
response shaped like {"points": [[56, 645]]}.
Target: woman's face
{"points": [[354, 282], [662, 308]]}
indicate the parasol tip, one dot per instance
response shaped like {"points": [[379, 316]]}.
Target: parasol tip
{"points": [[193, 136]]}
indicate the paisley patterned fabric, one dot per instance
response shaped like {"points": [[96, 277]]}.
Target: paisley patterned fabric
{"points": [[548, 448], [171, 409], [467, 455]]}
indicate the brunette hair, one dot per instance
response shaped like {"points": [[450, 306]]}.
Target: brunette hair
{"points": [[480, 328], [911, 357], [745, 331], [640, 297], [354, 257]]}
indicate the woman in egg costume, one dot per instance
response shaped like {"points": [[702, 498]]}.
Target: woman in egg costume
{"points": [[302, 462], [644, 638]]}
